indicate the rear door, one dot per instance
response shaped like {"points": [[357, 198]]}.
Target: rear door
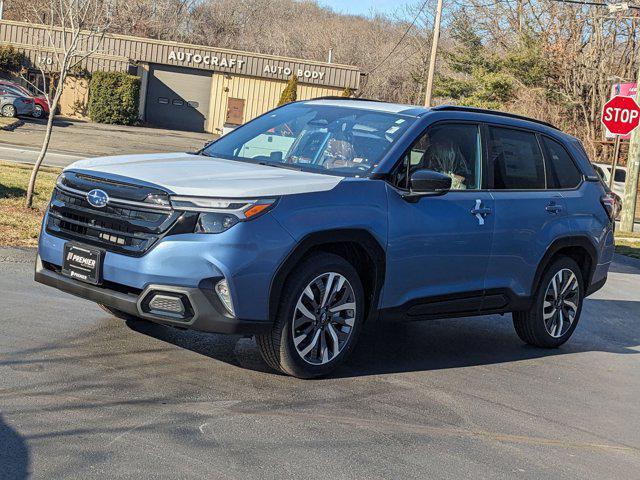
{"points": [[529, 212]]}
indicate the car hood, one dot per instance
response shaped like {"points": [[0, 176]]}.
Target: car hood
{"points": [[188, 174]]}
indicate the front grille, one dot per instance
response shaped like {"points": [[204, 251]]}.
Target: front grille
{"points": [[131, 230]]}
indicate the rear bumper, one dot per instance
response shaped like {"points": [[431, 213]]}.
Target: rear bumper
{"points": [[206, 312]]}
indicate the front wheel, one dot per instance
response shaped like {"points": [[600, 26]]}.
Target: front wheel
{"points": [[319, 318], [556, 307]]}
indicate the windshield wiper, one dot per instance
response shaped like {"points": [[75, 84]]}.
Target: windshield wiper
{"points": [[288, 166]]}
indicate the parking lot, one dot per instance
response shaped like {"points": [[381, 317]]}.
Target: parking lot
{"points": [[84, 395], [72, 140]]}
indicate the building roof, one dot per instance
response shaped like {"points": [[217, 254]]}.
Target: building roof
{"points": [[118, 52]]}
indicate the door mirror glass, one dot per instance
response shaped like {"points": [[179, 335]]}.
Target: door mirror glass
{"points": [[429, 181]]}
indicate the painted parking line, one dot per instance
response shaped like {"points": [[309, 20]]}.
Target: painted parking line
{"points": [[29, 155]]}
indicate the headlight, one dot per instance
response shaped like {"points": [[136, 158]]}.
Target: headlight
{"points": [[220, 214], [215, 222]]}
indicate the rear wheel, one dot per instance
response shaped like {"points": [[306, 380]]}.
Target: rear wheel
{"points": [[38, 111], [8, 111], [556, 306], [319, 318], [118, 313]]}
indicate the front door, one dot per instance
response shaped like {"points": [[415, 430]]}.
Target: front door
{"points": [[439, 246]]}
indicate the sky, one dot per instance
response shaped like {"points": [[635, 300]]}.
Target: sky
{"points": [[364, 7]]}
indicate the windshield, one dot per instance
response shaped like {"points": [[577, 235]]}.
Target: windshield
{"points": [[341, 141]]}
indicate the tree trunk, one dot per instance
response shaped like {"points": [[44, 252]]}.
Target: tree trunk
{"points": [[36, 167], [45, 144]]}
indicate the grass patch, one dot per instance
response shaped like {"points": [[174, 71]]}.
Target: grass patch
{"points": [[20, 226], [631, 248]]}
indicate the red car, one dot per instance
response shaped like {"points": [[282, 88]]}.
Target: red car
{"points": [[40, 107]]}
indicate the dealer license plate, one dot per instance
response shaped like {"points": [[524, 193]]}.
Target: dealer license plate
{"points": [[82, 263]]}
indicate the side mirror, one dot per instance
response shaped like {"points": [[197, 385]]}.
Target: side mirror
{"points": [[425, 182]]}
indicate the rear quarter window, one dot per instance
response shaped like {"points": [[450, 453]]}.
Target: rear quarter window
{"points": [[561, 170]]}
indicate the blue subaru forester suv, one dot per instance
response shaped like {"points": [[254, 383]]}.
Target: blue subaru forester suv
{"points": [[321, 215]]}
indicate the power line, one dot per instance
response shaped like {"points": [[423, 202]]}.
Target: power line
{"points": [[401, 39], [595, 4]]}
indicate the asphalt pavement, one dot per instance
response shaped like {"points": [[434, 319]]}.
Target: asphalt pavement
{"points": [[72, 140], [84, 395]]}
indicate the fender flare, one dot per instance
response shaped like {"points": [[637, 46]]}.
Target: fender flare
{"points": [[581, 241], [316, 239]]}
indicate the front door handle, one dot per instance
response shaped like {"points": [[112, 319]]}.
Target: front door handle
{"points": [[553, 207], [480, 212]]}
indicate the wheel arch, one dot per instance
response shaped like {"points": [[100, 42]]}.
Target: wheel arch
{"points": [[579, 248], [358, 246]]}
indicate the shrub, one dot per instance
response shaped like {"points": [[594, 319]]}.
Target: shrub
{"points": [[114, 98], [290, 92], [11, 60]]}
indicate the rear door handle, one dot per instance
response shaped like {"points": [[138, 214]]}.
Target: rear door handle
{"points": [[553, 208]]}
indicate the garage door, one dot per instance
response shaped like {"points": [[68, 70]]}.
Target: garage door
{"points": [[178, 98]]}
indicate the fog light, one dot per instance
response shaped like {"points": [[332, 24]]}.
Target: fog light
{"points": [[222, 289], [167, 303]]}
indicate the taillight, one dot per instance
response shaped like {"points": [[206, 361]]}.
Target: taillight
{"points": [[609, 204]]}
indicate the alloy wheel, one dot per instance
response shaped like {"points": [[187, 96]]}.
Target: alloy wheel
{"points": [[324, 318], [9, 111], [38, 111], [561, 301]]}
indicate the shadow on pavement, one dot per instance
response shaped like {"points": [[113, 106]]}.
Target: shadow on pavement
{"points": [[57, 122], [386, 347], [14, 454]]}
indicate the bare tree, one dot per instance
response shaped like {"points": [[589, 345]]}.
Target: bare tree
{"points": [[74, 32]]}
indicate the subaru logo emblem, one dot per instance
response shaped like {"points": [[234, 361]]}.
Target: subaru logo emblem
{"points": [[97, 198]]}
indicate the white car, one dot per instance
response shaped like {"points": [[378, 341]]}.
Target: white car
{"points": [[619, 178]]}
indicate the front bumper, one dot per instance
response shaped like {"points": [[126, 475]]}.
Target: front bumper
{"points": [[206, 311]]}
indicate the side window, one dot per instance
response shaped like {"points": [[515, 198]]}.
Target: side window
{"points": [[452, 149], [561, 171], [517, 160]]}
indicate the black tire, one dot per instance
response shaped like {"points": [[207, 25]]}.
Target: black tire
{"points": [[277, 348], [38, 111], [118, 313], [8, 111], [530, 325]]}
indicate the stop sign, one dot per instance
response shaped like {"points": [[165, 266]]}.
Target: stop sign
{"points": [[621, 115]]}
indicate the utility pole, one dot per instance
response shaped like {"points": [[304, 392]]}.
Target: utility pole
{"points": [[627, 217], [434, 50]]}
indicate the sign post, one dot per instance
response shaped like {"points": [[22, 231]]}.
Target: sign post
{"points": [[616, 154]]}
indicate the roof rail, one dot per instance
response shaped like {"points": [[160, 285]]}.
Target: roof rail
{"points": [[337, 97], [457, 108]]}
